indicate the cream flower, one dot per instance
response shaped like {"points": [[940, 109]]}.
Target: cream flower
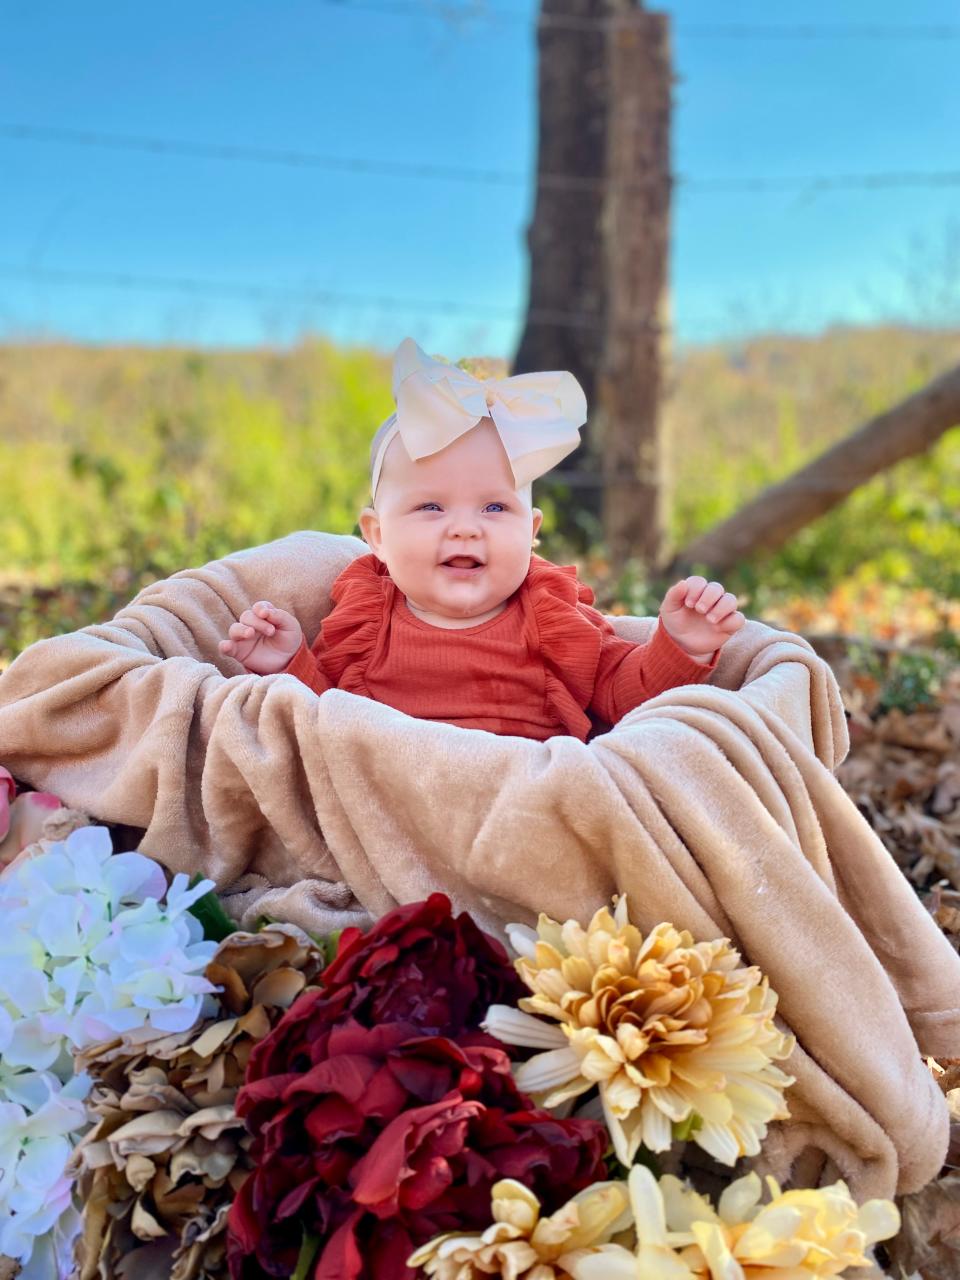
{"points": [[520, 1244], [796, 1234], [669, 1029]]}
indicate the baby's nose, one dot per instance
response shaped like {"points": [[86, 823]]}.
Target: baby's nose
{"points": [[462, 526]]}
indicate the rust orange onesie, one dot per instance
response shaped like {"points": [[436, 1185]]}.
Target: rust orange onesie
{"points": [[534, 671]]}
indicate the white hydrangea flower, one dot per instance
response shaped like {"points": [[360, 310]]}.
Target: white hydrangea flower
{"points": [[52, 1256], [40, 1120], [89, 951]]}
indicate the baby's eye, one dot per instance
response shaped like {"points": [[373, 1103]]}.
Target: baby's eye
{"points": [[495, 506], [429, 506]]}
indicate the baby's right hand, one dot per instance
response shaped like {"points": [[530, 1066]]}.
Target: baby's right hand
{"points": [[264, 639]]}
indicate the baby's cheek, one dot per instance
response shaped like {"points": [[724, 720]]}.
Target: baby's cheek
{"points": [[518, 571]]}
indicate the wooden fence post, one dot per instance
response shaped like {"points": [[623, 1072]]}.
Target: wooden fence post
{"points": [[636, 235], [564, 237]]}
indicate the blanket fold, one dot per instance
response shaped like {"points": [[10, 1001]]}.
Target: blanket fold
{"points": [[713, 806]]}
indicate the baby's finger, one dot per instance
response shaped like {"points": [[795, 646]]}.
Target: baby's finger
{"points": [[677, 595], [733, 622], [270, 614], [695, 585], [724, 605], [227, 647], [709, 596], [258, 625]]}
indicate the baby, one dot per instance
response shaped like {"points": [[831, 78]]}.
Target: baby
{"points": [[451, 617]]}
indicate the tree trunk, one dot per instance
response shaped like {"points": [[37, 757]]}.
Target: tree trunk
{"points": [[636, 236], [775, 515], [564, 240]]}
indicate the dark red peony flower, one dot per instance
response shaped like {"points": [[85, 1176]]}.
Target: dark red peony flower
{"points": [[386, 1140], [418, 964]]}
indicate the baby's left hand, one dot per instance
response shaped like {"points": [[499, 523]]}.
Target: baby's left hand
{"points": [[700, 616]]}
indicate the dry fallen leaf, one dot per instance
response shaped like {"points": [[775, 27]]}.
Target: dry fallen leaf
{"points": [[903, 773], [929, 1240]]}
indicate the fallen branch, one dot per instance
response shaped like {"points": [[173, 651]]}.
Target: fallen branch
{"points": [[775, 515]]}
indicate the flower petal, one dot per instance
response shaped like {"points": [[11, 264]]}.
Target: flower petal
{"points": [[551, 1070], [512, 1026]]}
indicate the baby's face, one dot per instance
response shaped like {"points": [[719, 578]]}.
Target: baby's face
{"points": [[453, 532]]}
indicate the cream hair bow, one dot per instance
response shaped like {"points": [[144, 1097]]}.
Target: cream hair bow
{"points": [[538, 415]]}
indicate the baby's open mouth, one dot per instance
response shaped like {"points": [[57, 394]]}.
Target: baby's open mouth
{"points": [[462, 562]]}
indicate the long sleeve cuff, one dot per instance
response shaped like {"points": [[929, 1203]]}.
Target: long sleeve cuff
{"points": [[305, 667], [666, 665]]}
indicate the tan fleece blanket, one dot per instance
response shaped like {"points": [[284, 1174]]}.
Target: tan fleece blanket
{"points": [[712, 806]]}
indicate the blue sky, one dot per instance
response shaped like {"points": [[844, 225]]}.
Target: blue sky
{"points": [[414, 87]]}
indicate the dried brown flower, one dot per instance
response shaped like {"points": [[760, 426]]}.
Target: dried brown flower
{"points": [[168, 1153]]}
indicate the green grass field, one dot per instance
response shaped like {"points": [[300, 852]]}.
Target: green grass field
{"points": [[123, 464]]}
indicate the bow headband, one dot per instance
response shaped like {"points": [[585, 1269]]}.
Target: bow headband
{"points": [[538, 415]]}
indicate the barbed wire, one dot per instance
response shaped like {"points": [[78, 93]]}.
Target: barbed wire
{"points": [[704, 30], [303, 294], [308, 294], [230, 152], [256, 154], [204, 288]]}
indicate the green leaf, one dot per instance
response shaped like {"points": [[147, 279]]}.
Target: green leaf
{"points": [[684, 1130], [308, 1251], [620, 1172], [330, 943], [217, 925]]}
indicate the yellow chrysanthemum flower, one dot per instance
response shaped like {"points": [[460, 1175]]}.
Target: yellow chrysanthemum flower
{"points": [[520, 1245], [667, 1028], [796, 1234]]}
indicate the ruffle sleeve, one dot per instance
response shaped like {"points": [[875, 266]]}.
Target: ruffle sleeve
{"points": [[589, 668], [570, 637], [350, 632], [305, 667]]}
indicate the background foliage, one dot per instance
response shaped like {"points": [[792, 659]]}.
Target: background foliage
{"points": [[122, 464]]}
